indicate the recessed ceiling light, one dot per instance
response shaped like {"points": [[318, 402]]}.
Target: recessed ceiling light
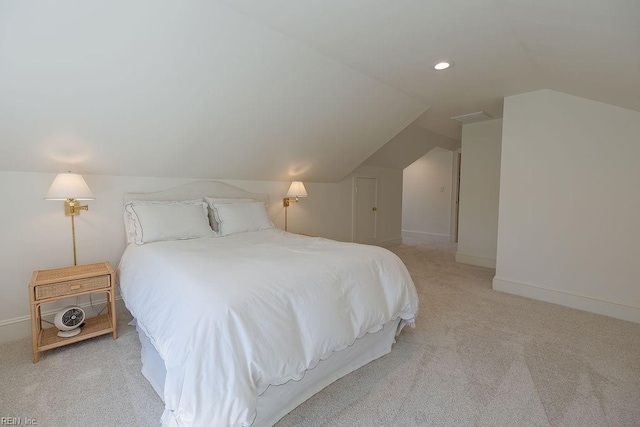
{"points": [[443, 65]]}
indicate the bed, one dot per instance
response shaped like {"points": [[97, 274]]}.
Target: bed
{"points": [[239, 330]]}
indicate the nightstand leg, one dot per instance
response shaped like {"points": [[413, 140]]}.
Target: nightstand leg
{"points": [[112, 301], [35, 331]]}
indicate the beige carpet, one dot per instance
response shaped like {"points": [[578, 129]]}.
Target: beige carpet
{"points": [[476, 357]]}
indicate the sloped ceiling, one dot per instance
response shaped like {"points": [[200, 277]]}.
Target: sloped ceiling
{"points": [[408, 146], [184, 89], [276, 89], [588, 48]]}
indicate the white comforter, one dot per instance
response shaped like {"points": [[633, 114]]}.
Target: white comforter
{"points": [[232, 315]]}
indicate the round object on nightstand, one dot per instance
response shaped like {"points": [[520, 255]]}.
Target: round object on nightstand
{"points": [[68, 321]]}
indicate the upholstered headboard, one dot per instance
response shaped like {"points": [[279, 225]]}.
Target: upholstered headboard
{"points": [[198, 190]]}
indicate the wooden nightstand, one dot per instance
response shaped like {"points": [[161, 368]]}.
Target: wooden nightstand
{"points": [[52, 285]]}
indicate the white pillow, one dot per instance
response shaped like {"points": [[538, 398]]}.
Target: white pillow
{"points": [[241, 217], [156, 221], [129, 223], [217, 200]]}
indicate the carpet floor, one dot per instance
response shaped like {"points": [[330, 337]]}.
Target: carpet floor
{"points": [[476, 357]]}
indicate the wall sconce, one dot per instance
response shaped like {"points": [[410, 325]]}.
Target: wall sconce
{"points": [[296, 190], [70, 187]]}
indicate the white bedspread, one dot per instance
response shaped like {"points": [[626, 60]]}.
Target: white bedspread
{"points": [[232, 315]]}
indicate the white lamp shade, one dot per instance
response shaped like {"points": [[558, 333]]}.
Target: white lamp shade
{"points": [[69, 186], [297, 190]]}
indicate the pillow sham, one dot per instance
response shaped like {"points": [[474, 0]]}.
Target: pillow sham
{"points": [[129, 223], [222, 201], [236, 218], [157, 221]]}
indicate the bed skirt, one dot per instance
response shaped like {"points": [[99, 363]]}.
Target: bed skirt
{"points": [[277, 401]]}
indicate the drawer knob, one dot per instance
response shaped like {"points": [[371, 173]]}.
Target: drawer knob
{"points": [[75, 287]]}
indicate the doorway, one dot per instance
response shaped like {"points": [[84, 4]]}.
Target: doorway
{"points": [[365, 209], [429, 195]]}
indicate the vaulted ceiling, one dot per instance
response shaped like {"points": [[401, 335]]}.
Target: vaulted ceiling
{"points": [[278, 89]]}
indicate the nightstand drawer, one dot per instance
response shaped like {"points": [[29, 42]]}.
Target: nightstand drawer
{"points": [[71, 287]]}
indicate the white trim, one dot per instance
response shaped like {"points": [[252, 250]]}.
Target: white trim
{"points": [[476, 260], [20, 327], [618, 310], [419, 237]]}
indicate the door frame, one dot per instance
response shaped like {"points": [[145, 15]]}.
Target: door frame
{"points": [[455, 195], [354, 203]]}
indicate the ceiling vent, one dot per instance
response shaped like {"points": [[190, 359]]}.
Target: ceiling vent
{"points": [[478, 116]]}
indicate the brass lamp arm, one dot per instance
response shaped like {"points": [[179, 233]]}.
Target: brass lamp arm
{"points": [[72, 207]]}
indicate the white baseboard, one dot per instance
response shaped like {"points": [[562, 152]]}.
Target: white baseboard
{"points": [[475, 260], [421, 237], [20, 327], [581, 302]]}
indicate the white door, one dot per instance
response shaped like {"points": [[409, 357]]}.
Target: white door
{"points": [[366, 209]]}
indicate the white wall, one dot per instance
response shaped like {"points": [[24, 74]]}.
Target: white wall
{"points": [[479, 193], [426, 197], [36, 234], [569, 203], [328, 211]]}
